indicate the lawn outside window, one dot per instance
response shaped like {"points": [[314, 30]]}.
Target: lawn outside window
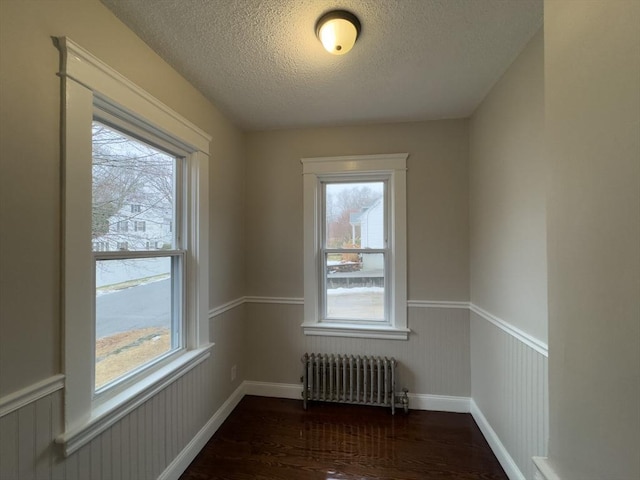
{"points": [[139, 315], [135, 203], [355, 246]]}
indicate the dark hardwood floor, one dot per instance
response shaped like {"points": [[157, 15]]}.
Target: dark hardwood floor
{"points": [[268, 438]]}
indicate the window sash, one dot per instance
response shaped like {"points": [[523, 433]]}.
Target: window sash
{"points": [[178, 312], [345, 179], [323, 287], [323, 251], [108, 115]]}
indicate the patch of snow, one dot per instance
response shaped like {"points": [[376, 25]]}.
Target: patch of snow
{"points": [[355, 290], [113, 288]]}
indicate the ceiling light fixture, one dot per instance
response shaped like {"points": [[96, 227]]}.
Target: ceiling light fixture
{"points": [[338, 31]]}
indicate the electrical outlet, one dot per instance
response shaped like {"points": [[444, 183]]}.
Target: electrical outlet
{"points": [[233, 373]]}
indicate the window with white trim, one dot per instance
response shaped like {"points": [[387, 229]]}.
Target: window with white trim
{"points": [[355, 246], [139, 318], [124, 149]]}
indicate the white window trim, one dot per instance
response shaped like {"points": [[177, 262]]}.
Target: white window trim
{"points": [[85, 78], [314, 170]]}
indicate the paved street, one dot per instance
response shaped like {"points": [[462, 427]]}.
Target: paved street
{"points": [[136, 307]]}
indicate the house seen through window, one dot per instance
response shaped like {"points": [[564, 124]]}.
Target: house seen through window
{"points": [[355, 246], [354, 251], [138, 291]]}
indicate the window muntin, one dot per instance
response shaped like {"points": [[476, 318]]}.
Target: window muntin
{"points": [[138, 304], [354, 250]]}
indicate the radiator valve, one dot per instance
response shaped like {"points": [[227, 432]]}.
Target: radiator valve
{"points": [[405, 400]]}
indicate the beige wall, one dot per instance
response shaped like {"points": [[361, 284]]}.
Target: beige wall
{"points": [[435, 359], [508, 259], [30, 323], [437, 199], [508, 197], [592, 91]]}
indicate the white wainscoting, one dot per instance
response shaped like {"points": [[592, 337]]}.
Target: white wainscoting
{"points": [[138, 447], [26, 438], [508, 377], [435, 359], [509, 390], [508, 368], [30, 394]]}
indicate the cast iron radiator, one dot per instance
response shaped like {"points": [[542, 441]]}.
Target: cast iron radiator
{"points": [[350, 379]]}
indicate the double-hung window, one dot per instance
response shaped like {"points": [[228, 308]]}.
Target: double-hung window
{"points": [[355, 246], [135, 291], [139, 315]]}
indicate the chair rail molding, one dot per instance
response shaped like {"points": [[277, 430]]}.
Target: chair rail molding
{"points": [[537, 345], [14, 401]]}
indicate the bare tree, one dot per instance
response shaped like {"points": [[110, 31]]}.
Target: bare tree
{"points": [[131, 181], [341, 203]]}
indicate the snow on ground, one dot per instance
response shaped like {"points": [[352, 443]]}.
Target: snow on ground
{"points": [[118, 287], [355, 290]]}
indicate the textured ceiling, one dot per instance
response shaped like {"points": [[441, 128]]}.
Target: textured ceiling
{"points": [[260, 62]]}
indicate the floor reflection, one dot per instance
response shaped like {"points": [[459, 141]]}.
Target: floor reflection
{"points": [[348, 442]]}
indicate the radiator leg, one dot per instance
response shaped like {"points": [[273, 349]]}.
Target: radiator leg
{"points": [[393, 386], [405, 400], [305, 380]]}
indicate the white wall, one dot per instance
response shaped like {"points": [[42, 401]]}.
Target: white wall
{"points": [[592, 91], [508, 260]]}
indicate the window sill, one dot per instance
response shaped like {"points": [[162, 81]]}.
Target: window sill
{"points": [[114, 409], [355, 331]]}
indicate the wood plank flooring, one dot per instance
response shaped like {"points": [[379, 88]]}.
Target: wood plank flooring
{"points": [[275, 439]]}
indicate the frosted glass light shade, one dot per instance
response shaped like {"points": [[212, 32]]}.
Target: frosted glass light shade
{"points": [[338, 31]]}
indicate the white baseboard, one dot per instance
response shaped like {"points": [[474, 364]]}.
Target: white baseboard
{"points": [[499, 450], [544, 471], [439, 403], [197, 443], [417, 401], [276, 390]]}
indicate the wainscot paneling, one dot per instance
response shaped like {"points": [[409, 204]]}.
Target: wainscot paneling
{"points": [[510, 397], [435, 359], [142, 444], [138, 447]]}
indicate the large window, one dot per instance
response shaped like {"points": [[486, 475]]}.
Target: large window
{"points": [[139, 291], [355, 246], [135, 251]]}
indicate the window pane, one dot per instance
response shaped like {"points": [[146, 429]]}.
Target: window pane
{"points": [[354, 215], [134, 314], [355, 286], [133, 193]]}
